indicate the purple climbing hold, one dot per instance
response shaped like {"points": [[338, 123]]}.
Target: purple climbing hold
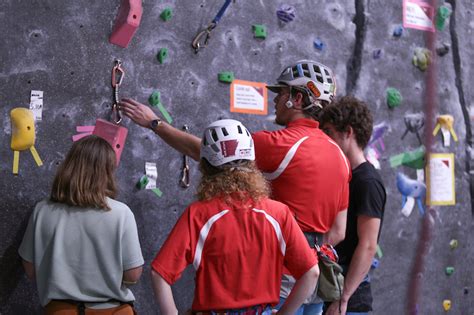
{"points": [[286, 13]]}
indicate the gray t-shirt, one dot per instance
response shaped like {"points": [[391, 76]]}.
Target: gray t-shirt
{"points": [[80, 253]]}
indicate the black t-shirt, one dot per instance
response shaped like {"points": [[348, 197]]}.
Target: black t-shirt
{"points": [[366, 197]]}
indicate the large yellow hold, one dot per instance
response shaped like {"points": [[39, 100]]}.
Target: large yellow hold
{"points": [[23, 129], [23, 135]]}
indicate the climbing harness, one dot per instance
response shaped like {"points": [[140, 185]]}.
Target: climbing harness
{"points": [[184, 182], [201, 39], [117, 77]]}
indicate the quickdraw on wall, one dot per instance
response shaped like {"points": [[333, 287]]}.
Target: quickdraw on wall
{"points": [[110, 131], [184, 182], [202, 38], [23, 135]]}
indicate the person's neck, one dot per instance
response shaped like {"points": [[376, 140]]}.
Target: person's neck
{"points": [[356, 157], [296, 116]]}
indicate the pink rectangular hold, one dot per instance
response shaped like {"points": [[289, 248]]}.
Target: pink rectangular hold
{"points": [[114, 134], [127, 22], [84, 128], [80, 136]]}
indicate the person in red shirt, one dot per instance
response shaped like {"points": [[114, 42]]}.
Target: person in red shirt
{"points": [[307, 170], [237, 239]]}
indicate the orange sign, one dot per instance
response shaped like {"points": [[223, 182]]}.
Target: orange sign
{"points": [[248, 97]]}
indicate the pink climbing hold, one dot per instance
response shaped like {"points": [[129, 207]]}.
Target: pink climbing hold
{"points": [[127, 22], [114, 134]]}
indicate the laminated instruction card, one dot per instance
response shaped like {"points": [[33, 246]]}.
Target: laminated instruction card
{"points": [[248, 97], [440, 180]]}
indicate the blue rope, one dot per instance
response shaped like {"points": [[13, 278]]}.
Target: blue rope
{"points": [[221, 12]]}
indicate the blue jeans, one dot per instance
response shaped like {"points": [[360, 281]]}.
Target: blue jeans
{"points": [[356, 313], [305, 309]]}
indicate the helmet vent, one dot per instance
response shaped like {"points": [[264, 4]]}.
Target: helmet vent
{"points": [[214, 135], [248, 134], [327, 72], [215, 148], [316, 69], [329, 80], [224, 131], [204, 141], [239, 129], [319, 78]]}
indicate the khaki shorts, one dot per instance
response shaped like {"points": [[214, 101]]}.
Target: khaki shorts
{"points": [[66, 308], [287, 284]]}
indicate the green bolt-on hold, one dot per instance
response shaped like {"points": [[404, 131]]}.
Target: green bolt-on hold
{"points": [[414, 159], [421, 58], [259, 31], [449, 270], [142, 182], [226, 76], [162, 55], [442, 14], [166, 14], [453, 244], [394, 98], [154, 99]]}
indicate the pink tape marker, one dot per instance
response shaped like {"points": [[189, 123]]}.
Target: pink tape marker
{"points": [[114, 134], [80, 136], [127, 22]]}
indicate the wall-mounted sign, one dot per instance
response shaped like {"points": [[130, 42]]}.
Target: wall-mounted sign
{"points": [[440, 180], [418, 14], [248, 97]]}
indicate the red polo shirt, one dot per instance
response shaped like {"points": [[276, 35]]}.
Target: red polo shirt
{"points": [[238, 251], [308, 172]]}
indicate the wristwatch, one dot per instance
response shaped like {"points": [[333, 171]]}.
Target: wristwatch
{"points": [[154, 124]]}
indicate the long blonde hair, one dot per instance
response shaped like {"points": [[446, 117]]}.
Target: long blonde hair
{"points": [[233, 182], [86, 176]]}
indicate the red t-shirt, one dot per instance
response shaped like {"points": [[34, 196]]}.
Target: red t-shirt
{"points": [[238, 252], [308, 172]]}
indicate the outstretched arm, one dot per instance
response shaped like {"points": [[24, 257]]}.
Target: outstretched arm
{"points": [[181, 141]]}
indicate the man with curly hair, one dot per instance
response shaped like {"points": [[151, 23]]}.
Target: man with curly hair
{"points": [[237, 239], [349, 122]]}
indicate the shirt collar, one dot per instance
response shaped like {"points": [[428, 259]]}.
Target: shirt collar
{"points": [[307, 122]]}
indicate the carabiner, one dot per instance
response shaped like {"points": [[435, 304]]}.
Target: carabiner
{"points": [[116, 117], [198, 41], [117, 70], [184, 182]]}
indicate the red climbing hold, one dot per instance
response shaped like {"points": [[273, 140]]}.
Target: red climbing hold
{"points": [[127, 22]]}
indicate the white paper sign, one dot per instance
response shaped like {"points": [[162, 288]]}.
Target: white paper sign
{"points": [[418, 15], [36, 104], [152, 174], [440, 179], [248, 97]]}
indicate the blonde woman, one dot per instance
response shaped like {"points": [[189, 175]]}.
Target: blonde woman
{"points": [[81, 246], [237, 239]]}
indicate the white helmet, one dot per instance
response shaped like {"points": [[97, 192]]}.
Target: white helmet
{"points": [[225, 141], [312, 77]]}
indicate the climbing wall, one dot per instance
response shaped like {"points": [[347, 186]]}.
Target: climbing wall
{"points": [[62, 48]]}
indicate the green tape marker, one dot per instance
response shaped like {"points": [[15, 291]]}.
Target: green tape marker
{"points": [[157, 191], [165, 113], [378, 250]]}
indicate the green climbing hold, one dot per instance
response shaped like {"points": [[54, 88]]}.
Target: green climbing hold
{"points": [[259, 31], [154, 99], [162, 55], [394, 98], [442, 14], [421, 58], [414, 159], [449, 270], [142, 182], [226, 76], [166, 14]]}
